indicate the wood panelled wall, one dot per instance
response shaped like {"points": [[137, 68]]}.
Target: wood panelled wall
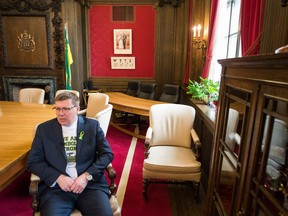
{"points": [[75, 15], [275, 27], [171, 47]]}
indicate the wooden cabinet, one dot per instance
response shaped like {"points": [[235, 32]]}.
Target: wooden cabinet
{"points": [[249, 164]]}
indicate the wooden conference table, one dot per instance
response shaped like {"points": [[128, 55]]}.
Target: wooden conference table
{"points": [[17, 123], [130, 104]]}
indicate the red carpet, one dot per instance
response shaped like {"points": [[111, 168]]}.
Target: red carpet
{"points": [[158, 202], [15, 199], [119, 143]]}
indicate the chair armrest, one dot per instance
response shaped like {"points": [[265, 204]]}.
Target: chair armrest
{"points": [[195, 137], [34, 177], [196, 144], [82, 112], [149, 132], [104, 117], [33, 191], [148, 137], [104, 111], [111, 175], [237, 138], [34, 181]]}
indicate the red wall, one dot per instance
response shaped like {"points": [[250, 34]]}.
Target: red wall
{"points": [[101, 42]]}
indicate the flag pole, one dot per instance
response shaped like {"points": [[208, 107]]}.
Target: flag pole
{"points": [[68, 59]]}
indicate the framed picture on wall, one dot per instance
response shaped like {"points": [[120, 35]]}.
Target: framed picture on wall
{"points": [[122, 41], [123, 62]]}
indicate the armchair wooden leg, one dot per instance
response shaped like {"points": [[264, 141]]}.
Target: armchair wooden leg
{"points": [[145, 187], [196, 186]]}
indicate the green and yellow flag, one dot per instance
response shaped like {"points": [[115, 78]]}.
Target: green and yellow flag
{"points": [[68, 59]]}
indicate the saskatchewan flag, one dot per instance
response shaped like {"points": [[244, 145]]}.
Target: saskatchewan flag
{"points": [[68, 59]]}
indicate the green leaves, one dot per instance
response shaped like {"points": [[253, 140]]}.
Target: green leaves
{"points": [[206, 88], [196, 90]]}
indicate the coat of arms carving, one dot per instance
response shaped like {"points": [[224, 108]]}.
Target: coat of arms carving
{"points": [[26, 42]]}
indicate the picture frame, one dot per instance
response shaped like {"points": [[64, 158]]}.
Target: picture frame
{"points": [[122, 41], [122, 62]]}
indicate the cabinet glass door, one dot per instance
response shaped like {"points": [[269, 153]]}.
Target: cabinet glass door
{"points": [[269, 194], [235, 119]]}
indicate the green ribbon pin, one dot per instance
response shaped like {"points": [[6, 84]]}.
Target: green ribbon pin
{"points": [[81, 135]]}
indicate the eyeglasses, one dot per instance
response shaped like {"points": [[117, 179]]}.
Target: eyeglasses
{"points": [[64, 109]]}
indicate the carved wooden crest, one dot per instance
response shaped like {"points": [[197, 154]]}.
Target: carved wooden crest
{"points": [[26, 42]]}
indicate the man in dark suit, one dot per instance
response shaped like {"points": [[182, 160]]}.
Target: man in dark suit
{"points": [[69, 154]]}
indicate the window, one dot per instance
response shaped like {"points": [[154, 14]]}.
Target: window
{"points": [[227, 35]]}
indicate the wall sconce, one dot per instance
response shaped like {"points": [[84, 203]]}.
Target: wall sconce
{"points": [[284, 3], [197, 41], [160, 3]]}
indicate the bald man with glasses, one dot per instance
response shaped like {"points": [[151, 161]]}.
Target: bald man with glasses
{"points": [[70, 153]]}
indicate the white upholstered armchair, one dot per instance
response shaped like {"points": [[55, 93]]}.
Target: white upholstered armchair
{"points": [[98, 107], [32, 95], [172, 147], [229, 162]]}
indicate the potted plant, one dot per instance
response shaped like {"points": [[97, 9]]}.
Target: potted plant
{"points": [[207, 90]]}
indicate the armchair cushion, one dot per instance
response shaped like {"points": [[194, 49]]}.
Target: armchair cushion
{"points": [[179, 162]]}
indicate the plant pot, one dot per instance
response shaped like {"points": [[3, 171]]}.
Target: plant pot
{"points": [[206, 100]]}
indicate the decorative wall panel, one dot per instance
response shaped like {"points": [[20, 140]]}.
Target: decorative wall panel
{"points": [[25, 45]]}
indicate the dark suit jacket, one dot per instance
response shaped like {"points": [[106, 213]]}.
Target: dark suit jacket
{"points": [[47, 157]]}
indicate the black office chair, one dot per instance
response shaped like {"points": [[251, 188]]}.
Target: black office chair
{"points": [[88, 84], [147, 91], [88, 88], [170, 93], [133, 88]]}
